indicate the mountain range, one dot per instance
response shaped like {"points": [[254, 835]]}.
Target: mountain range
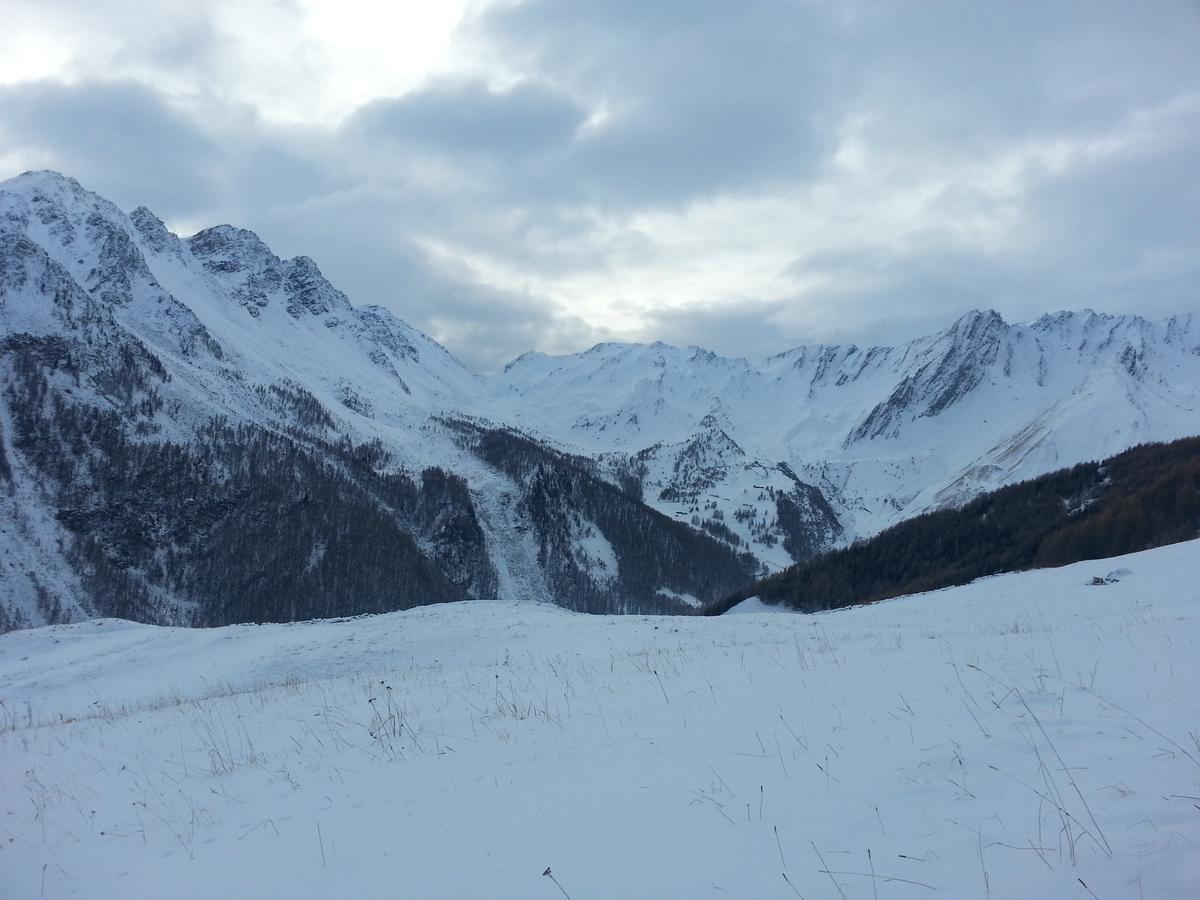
{"points": [[196, 431]]}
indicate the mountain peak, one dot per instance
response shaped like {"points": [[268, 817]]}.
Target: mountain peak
{"points": [[152, 229], [978, 320], [45, 178], [1058, 320], [228, 249], [60, 204]]}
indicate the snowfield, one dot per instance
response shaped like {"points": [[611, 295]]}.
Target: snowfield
{"points": [[1026, 736]]}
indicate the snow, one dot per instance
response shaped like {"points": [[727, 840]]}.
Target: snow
{"points": [[1058, 392], [754, 605], [689, 599], [592, 550], [1014, 737]]}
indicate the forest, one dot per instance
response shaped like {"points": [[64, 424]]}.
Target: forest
{"points": [[246, 523], [1146, 497]]}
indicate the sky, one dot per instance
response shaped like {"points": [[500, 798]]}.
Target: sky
{"points": [[747, 176]]}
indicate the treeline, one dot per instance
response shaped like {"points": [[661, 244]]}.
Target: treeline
{"points": [[806, 520], [1145, 497]]}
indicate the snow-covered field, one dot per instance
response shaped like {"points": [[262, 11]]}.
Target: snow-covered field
{"points": [[1026, 736]]}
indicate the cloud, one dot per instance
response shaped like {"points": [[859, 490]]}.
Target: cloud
{"points": [[285, 184], [118, 137], [374, 259], [742, 176], [684, 102], [1109, 222], [468, 119], [744, 326]]}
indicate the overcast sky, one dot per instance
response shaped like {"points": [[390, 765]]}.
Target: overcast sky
{"points": [[742, 175]]}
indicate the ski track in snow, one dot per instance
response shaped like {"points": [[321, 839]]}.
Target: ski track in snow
{"points": [[1023, 736]]}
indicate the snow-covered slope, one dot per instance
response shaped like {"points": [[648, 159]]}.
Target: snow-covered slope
{"points": [[169, 402], [199, 431], [883, 432], [1027, 736]]}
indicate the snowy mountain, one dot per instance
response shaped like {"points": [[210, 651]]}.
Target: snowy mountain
{"points": [[197, 431], [881, 433]]}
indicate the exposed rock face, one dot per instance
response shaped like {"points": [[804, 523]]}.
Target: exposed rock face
{"points": [[947, 373]]}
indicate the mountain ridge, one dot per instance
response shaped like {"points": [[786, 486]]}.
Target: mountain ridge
{"points": [[119, 337]]}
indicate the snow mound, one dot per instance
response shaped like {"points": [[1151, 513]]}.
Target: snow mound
{"points": [[754, 605]]}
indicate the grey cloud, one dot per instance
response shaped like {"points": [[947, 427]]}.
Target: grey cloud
{"points": [[1123, 235], [120, 138], [468, 118], [746, 327], [126, 141], [275, 176], [958, 79], [715, 100], [374, 260], [712, 97], [492, 327], [701, 98], [185, 42], [1116, 234]]}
